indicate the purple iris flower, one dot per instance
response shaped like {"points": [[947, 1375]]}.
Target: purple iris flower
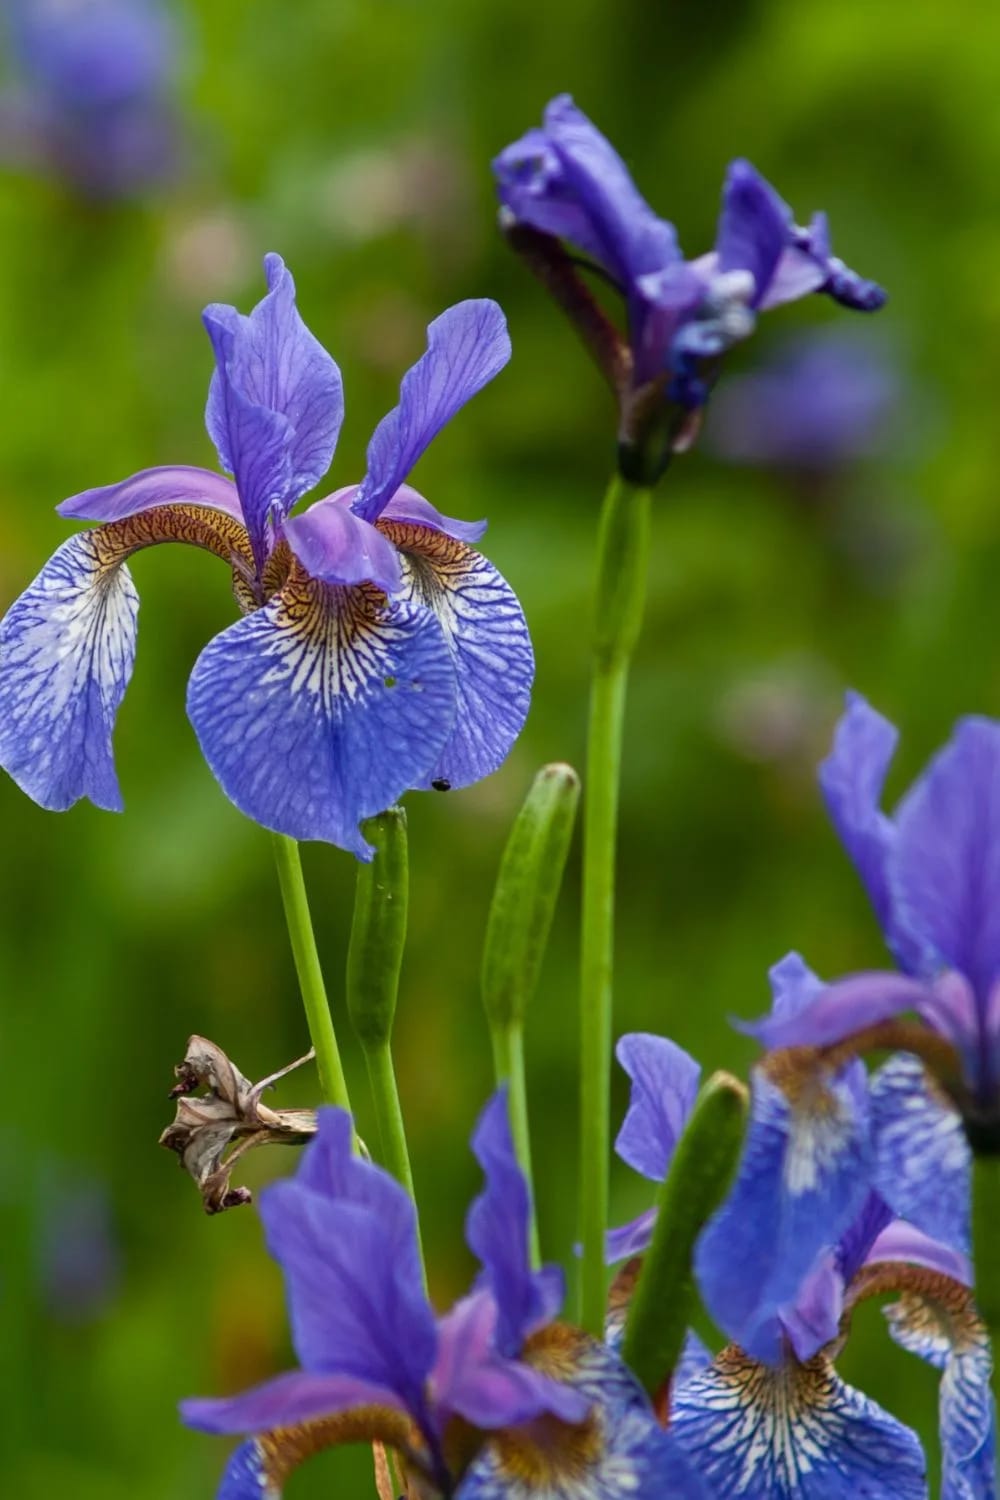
{"points": [[92, 102], [932, 873], [566, 182], [823, 403], [769, 1417], [456, 1395], [379, 651]]}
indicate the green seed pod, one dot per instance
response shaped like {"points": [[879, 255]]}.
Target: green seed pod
{"points": [[378, 931], [524, 900], [699, 1178]]}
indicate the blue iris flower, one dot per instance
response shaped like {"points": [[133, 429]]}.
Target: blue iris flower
{"points": [[379, 650], [781, 1267], [566, 181], [932, 875], [493, 1399]]}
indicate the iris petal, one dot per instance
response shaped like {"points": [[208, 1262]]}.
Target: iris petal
{"points": [[801, 1181], [177, 484], [277, 364], [944, 1329], [497, 1232], [945, 869], [67, 648], [764, 1434], [851, 779], [297, 1396], [323, 707], [664, 1086], [487, 636], [619, 1450], [466, 346], [754, 226], [336, 546], [922, 1159]]}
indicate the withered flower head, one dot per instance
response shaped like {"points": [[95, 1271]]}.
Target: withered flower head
{"points": [[213, 1130]]}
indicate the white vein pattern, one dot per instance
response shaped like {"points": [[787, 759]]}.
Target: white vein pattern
{"points": [[67, 648], [245, 1477], [794, 1431], [947, 1332], [488, 638], [922, 1159], [323, 707]]}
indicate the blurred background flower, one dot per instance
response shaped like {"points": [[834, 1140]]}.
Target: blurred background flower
{"points": [[89, 97]]}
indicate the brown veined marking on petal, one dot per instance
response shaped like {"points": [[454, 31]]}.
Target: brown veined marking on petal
{"points": [[285, 1448], [548, 1453], [434, 562], [334, 618], [931, 1302], [198, 525], [277, 569]]}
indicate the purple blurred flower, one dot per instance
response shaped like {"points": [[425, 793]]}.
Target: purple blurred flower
{"points": [[823, 403], [380, 652], [377, 1363], [92, 98], [932, 872], [770, 1408], [565, 182], [79, 1250]]}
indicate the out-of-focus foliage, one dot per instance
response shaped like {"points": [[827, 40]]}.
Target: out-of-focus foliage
{"points": [[355, 139]]}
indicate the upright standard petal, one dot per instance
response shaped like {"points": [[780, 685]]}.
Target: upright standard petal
{"points": [[851, 779], [945, 870], [664, 1087], [754, 227], [67, 647], [803, 1178], [466, 346], [344, 1234], [781, 1434], [323, 707], [497, 1232], [922, 1160], [487, 636], [275, 403]]}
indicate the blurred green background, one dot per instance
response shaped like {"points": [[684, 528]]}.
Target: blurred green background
{"points": [[356, 139]]}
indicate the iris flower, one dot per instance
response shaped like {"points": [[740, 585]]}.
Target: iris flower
{"points": [[566, 184], [769, 1418], [932, 874], [379, 651], [493, 1399]]}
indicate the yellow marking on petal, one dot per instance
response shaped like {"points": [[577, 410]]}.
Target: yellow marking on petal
{"points": [[447, 556]]}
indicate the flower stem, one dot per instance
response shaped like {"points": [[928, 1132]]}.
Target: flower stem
{"points": [[508, 1065], [388, 1113], [986, 1258], [623, 546], [333, 1085]]}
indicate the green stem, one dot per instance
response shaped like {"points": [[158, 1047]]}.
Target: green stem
{"points": [[623, 546], [388, 1114], [698, 1179], [333, 1085], [508, 1065], [986, 1249]]}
